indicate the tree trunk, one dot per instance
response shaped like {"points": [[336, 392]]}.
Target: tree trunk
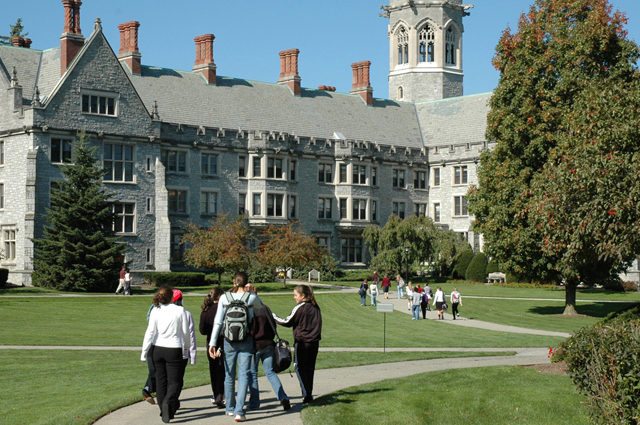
{"points": [[219, 277], [570, 289]]}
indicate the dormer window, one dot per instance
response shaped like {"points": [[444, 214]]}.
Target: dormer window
{"points": [[426, 44], [450, 51], [100, 104], [402, 38]]}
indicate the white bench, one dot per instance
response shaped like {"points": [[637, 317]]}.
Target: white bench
{"points": [[497, 277]]}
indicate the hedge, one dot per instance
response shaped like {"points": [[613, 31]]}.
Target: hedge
{"points": [[604, 363], [477, 269], [462, 262], [493, 266], [175, 279], [4, 277]]}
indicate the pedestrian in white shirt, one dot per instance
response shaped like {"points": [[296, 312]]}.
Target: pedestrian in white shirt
{"points": [[373, 291], [456, 301], [191, 355], [438, 301]]}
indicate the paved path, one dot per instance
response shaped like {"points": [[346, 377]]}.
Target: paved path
{"points": [[197, 410]]}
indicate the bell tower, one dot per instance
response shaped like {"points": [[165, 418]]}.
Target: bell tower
{"points": [[425, 48]]}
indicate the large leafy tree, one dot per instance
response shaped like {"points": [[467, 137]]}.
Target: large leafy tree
{"points": [[79, 250], [221, 247], [562, 52], [400, 243]]}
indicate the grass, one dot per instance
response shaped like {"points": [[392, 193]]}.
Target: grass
{"points": [[485, 396], [77, 387], [121, 321]]}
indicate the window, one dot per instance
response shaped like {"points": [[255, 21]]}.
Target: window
{"points": [[148, 164], [450, 47], [1, 152], [209, 164], [343, 208], [400, 93], [420, 180], [274, 205], [359, 174], [292, 206], [436, 212], [274, 168], [174, 160], [374, 176], [322, 241], [257, 166], [242, 203], [177, 247], [351, 250], [208, 203], [343, 173], [242, 166], [374, 210], [460, 206], [125, 216], [402, 40], [257, 204], [398, 179], [99, 104], [9, 237], [292, 169], [118, 162], [324, 173], [149, 207], [61, 151], [1, 196], [324, 208], [359, 209], [436, 176], [426, 44], [420, 210], [460, 174], [399, 209], [149, 257], [177, 201]]}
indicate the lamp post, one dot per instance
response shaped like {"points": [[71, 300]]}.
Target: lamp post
{"points": [[406, 259]]}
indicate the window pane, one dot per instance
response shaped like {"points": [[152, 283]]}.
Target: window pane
{"points": [[111, 106], [55, 150], [85, 103], [103, 105]]}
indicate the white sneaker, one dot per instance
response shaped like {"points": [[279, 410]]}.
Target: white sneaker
{"points": [[229, 413], [240, 418]]}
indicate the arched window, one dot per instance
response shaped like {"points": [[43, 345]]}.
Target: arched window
{"points": [[450, 49], [426, 44], [402, 40], [400, 93]]}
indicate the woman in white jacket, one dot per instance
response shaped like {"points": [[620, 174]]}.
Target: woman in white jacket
{"points": [[438, 301], [168, 332]]}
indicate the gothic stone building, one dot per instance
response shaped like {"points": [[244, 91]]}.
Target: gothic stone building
{"points": [[180, 147]]}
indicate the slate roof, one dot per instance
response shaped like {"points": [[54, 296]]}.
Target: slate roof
{"points": [[455, 120]]}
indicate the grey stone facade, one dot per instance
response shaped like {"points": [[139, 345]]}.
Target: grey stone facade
{"points": [[177, 150]]}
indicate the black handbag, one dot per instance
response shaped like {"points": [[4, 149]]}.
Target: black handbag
{"points": [[282, 357]]}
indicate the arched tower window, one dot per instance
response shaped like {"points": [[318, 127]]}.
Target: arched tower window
{"points": [[402, 40], [426, 44], [450, 49], [400, 93]]}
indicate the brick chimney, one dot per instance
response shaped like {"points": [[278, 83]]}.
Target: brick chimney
{"points": [[204, 57], [18, 41], [129, 53], [361, 84], [72, 39], [289, 70]]}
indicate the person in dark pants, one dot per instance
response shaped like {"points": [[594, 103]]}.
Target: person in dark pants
{"points": [[168, 332], [191, 357], [306, 320], [150, 386], [216, 366]]}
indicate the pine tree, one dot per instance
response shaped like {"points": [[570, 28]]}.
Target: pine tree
{"points": [[78, 250]]}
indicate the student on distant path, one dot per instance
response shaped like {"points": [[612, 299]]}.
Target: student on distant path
{"points": [[373, 291], [438, 301], [424, 302], [429, 292], [306, 320], [416, 299], [127, 283], [216, 366], [121, 277], [456, 300], [386, 283], [401, 285], [364, 288]]}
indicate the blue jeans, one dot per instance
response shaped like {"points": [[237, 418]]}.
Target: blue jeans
{"points": [[374, 300], [242, 352], [415, 310], [363, 299], [400, 292], [266, 357]]}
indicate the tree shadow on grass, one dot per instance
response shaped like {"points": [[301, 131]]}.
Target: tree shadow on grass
{"points": [[347, 396], [585, 309]]}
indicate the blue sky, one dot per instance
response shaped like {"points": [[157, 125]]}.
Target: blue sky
{"points": [[331, 34]]}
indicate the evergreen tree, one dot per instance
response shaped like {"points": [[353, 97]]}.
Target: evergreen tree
{"points": [[477, 269], [563, 49], [78, 250]]}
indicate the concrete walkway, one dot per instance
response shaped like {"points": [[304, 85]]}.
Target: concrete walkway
{"points": [[196, 408]]}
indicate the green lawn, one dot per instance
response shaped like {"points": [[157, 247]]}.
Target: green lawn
{"points": [[121, 321], [77, 387], [485, 396]]}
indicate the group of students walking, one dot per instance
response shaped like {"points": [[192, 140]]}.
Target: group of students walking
{"points": [[236, 345]]}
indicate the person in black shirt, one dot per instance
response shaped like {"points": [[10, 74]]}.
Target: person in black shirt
{"points": [[216, 366], [306, 321]]}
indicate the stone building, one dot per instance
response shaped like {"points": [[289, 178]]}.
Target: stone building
{"points": [[181, 147]]}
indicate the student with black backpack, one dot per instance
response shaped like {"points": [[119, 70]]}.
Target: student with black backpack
{"points": [[233, 320]]}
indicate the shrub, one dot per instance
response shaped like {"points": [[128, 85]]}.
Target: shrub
{"points": [[4, 277], [462, 262], [174, 279], [603, 363], [493, 266], [259, 273], [477, 269], [627, 285]]}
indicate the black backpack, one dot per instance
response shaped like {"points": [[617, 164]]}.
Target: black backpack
{"points": [[236, 318]]}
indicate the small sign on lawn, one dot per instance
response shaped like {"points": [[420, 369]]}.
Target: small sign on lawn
{"points": [[384, 308]]}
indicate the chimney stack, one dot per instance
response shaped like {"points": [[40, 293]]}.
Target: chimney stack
{"points": [[204, 57], [72, 39], [361, 84], [289, 70], [129, 53]]}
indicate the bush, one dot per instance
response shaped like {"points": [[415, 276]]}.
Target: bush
{"points": [[174, 279], [477, 269], [4, 277], [493, 266], [462, 262], [259, 273], [603, 363], [627, 285]]}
